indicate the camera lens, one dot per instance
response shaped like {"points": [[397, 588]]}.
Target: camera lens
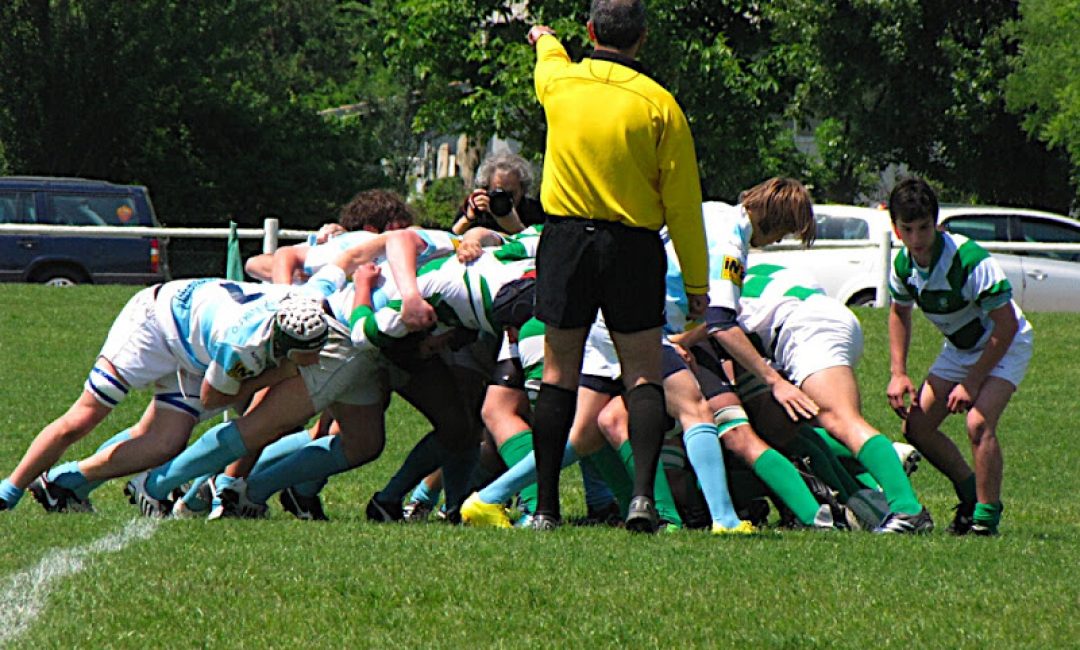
{"points": [[500, 202]]}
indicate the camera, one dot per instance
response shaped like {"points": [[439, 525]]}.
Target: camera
{"points": [[500, 202]]}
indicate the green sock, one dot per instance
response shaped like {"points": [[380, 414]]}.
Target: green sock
{"points": [[880, 459], [965, 490], [607, 462], [784, 480], [824, 463], [854, 468], [838, 448], [515, 448], [662, 497], [988, 515]]}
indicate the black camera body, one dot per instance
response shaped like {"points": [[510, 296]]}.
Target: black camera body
{"points": [[500, 202]]}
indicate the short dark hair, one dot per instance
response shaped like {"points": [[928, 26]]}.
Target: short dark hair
{"points": [[912, 199], [375, 209], [618, 23]]}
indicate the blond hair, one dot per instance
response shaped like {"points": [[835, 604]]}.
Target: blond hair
{"points": [[783, 206]]}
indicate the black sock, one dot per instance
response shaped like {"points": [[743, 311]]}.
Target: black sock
{"points": [[647, 422], [552, 418]]}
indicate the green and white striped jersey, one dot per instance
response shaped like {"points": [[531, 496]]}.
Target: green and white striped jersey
{"points": [[769, 294], [461, 295], [959, 290]]}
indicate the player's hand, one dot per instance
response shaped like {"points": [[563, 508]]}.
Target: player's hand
{"points": [[686, 356], [537, 31], [328, 231], [901, 394], [417, 314], [960, 399], [797, 403], [469, 250], [366, 274], [698, 304]]}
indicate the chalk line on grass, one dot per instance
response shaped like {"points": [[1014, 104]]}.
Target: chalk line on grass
{"points": [[23, 595]]}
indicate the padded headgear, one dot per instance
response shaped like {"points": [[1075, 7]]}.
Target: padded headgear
{"points": [[300, 324], [513, 304]]}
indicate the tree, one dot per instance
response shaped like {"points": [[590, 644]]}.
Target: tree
{"points": [[1044, 87]]}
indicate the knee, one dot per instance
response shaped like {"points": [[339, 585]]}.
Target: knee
{"points": [[739, 441], [979, 430]]}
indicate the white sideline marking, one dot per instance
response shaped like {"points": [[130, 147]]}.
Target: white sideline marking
{"points": [[23, 596]]}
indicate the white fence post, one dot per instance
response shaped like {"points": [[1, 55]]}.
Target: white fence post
{"points": [[885, 249], [270, 234]]}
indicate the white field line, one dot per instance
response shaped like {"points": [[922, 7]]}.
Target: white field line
{"points": [[23, 595]]}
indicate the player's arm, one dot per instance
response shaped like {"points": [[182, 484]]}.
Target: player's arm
{"points": [[1001, 337], [797, 403], [213, 397], [900, 387], [402, 248], [287, 262]]}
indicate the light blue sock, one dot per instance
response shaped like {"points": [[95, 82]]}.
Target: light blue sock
{"points": [[192, 499], [280, 449], [10, 494], [703, 450], [68, 474], [317, 460], [520, 476], [426, 495], [597, 492], [218, 447]]}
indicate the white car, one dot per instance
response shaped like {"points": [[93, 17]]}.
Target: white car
{"points": [[853, 274]]}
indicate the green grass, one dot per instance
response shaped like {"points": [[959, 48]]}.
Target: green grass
{"points": [[282, 583]]}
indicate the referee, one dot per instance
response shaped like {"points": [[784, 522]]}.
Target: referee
{"points": [[619, 165]]}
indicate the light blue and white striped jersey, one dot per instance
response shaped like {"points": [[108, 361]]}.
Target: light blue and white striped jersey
{"points": [[222, 329], [728, 231]]}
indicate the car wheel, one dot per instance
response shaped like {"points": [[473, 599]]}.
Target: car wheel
{"points": [[60, 277], [867, 298]]}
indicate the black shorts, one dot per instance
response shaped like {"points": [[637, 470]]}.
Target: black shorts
{"points": [[584, 265], [710, 374], [605, 385]]}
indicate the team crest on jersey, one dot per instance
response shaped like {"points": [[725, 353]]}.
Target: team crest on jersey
{"points": [[240, 372], [733, 271]]}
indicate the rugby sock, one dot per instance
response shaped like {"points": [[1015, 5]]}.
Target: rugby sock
{"points": [[988, 515], [10, 494], [965, 490], [457, 469], [703, 451], [552, 419], [521, 474], [218, 447], [513, 450], [647, 418], [280, 449], [424, 458], [784, 480], [597, 493], [426, 495], [880, 459], [610, 466], [663, 499], [68, 475], [192, 499], [315, 461], [826, 466], [847, 459]]}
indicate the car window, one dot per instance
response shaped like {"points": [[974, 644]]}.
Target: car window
{"points": [[980, 228], [16, 207], [1039, 230], [850, 228], [89, 210]]}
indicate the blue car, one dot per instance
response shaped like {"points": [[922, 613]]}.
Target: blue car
{"points": [[68, 259]]}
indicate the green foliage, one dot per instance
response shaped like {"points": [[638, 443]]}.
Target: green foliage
{"points": [[350, 583], [439, 204], [1045, 83]]}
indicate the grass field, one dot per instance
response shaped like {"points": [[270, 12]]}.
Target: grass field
{"points": [[110, 580]]}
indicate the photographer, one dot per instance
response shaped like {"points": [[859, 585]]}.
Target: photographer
{"points": [[500, 202]]}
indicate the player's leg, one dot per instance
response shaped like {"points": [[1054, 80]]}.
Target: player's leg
{"points": [[982, 422]]}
